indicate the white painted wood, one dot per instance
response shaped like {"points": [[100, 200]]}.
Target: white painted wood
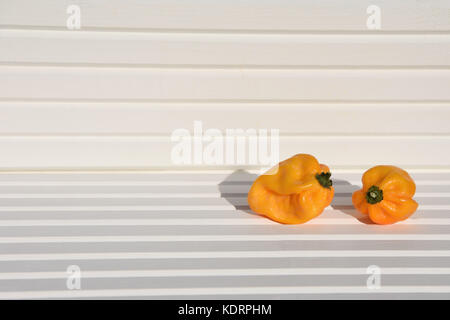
{"points": [[158, 118], [285, 15], [124, 179], [222, 84], [221, 272], [203, 49], [157, 247], [213, 222], [222, 254], [140, 152], [219, 238], [109, 96], [361, 292]]}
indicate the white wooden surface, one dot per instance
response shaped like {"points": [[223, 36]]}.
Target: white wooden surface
{"points": [[157, 118], [234, 15], [87, 83], [109, 95], [244, 50], [138, 152], [191, 235]]}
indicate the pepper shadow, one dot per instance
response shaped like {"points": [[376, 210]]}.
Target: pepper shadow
{"points": [[342, 200], [234, 189]]}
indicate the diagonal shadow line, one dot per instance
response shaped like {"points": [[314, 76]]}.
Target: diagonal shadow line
{"points": [[339, 187], [238, 177]]}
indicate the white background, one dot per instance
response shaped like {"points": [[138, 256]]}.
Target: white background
{"points": [[109, 95]]}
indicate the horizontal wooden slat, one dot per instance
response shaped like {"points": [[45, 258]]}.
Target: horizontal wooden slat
{"points": [[222, 84], [71, 203], [223, 273], [214, 264], [226, 254], [337, 282], [288, 50], [226, 233], [158, 118], [122, 253], [173, 179], [243, 293], [35, 204], [299, 15], [153, 152], [329, 216], [207, 222]]}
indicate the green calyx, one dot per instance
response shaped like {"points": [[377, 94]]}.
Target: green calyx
{"points": [[374, 195], [324, 179]]}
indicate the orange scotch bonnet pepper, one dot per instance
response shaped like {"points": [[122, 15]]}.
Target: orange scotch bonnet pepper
{"points": [[295, 191], [386, 195]]}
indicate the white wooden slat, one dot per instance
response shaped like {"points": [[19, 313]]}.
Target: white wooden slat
{"points": [[329, 216], [174, 180], [96, 244], [125, 152], [202, 222], [221, 273], [160, 195], [221, 239], [158, 118], [68, 203], [255, 292], [164, 207], [109, 96], [421, 217], [154, 251], [319, 281], [298, 15], [225, 254], [222, 84], [229, 263], [248, 50]]}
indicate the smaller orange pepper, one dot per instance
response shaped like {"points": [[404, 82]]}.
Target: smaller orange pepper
{"points": [[295, 191], [386, 195]]}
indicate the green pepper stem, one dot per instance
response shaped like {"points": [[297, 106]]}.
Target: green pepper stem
{"points": [[324, 179], [374, 195]]}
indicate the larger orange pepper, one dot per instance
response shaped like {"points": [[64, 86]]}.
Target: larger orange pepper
{"points": [[295, 191], [386, 195]]}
